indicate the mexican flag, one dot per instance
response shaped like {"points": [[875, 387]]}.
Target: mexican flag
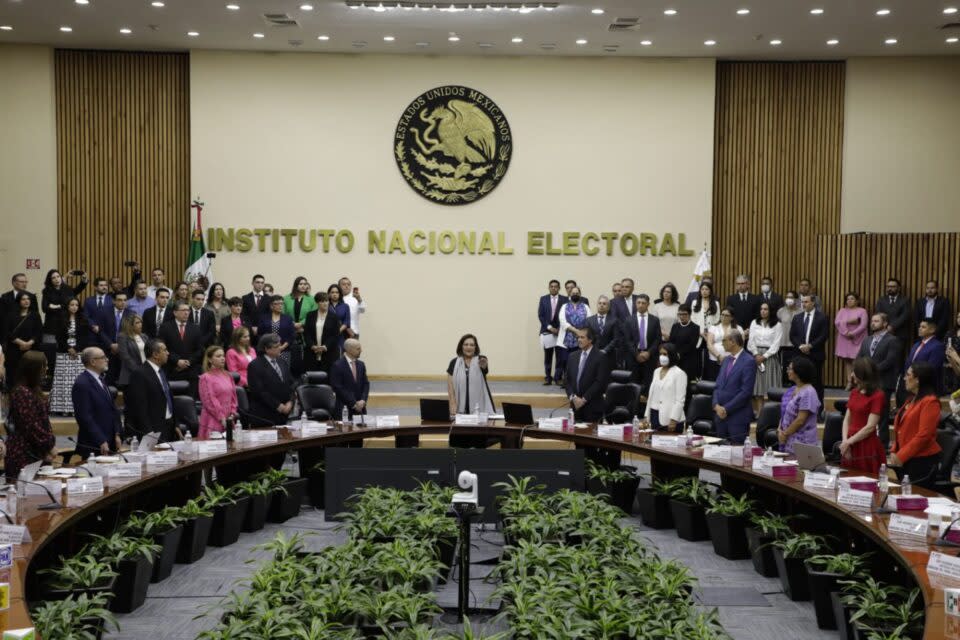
{"points": [[702, 269], [198, 264]]}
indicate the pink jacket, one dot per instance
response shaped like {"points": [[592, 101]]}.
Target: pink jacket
{"points": [[218, 398]]}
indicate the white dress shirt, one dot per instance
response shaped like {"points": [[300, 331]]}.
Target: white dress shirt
{"points": [[763, 336], [668, 395], [356, 308], [717, 332]]}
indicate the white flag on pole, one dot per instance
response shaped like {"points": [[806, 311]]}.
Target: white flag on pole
{"points": [[702, 269]]}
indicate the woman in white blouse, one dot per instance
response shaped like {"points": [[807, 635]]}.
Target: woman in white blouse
{"points": [[715, 336], [668, 392], [766, 336], [666, 309]]}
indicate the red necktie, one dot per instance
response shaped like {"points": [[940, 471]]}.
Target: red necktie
{"points": [[920, 346], [353, 369], [181, 331]]}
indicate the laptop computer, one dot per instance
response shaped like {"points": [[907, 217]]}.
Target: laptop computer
{"points": [[434, 410], [810, 457], [517, 414]]}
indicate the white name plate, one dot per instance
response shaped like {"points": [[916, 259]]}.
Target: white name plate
{"points": [[551, 424], [466, 420], [719, 453], [55, 487], [208, 447], [138, 457], [84, 485], [162, 458], [855, 497], [311, 429], [12, 533], [813, 480], [613, 431], [907, 526], [671, 442], [944, 565], [125, 470], [259, 436], [390, 421]]}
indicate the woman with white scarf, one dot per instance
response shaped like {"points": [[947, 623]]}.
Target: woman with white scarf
{"points": [[467, 389]]}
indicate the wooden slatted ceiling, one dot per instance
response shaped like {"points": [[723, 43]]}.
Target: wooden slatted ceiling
{"points": [[863, 262], [123, 160], [777, 169]]}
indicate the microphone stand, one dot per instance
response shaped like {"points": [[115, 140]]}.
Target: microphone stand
{"points": [[54, 504]]}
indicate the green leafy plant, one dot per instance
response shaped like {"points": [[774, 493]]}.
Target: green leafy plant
{"points": [[772, 525], [519, 496], [118, 546], [801, 545], [80, 617], [217, 495], [882, 608], [843, 564], [690, 490], [193, 509], [607, 477], [148, 524], [79, 572], [729, 505], [275, 479], [253, 488]]}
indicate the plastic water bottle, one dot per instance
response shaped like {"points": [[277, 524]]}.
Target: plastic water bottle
{"points": [[13, 503], [134, 444], [188, 443], [476, 409], [345, 417], [689, 436], [906, 488], [747, 452], [883, 482], [238, 432], [571, 420]]}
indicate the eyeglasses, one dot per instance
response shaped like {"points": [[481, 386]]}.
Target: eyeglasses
{"points": [[100, 358]]}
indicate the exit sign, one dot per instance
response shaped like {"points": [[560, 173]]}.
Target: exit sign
{"points": [[33, 263]]}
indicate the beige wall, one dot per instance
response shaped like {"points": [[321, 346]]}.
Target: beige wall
{"points": [[306, 141], [28, 162], [901, 158]]}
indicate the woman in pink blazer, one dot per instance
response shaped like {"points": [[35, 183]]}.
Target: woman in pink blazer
{"points": [[218, 396], [852, 324]]}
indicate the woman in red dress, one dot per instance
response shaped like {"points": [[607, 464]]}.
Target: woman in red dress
{"points": [[861, 448], [33, 438]]}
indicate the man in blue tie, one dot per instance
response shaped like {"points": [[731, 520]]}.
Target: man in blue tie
{"points": [[587, 376], [147, 400], [98, 421], [734, 391]]}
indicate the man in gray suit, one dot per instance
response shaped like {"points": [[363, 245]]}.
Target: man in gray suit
{"points": [[884, 349], [896, 306]]}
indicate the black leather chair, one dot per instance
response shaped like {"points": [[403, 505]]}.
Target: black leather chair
{"points": [[243, 404], [185, 414], [949, 441], [703, 427], [179, 387], [840, 405], [620, 375], [620, 398], [317, 401], [775, 394], [315, 377], [700, 408], [768, 420], [705, 387], [832, 432], [235, 375]]}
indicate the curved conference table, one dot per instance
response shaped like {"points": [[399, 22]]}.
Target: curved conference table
{"points": [[45, 526]]}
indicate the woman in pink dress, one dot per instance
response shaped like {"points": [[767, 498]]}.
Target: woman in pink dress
{"points": [[240, 354], [218, 397], [852, 324]]}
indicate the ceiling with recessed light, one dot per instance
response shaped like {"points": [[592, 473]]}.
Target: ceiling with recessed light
{"points": [[744, 29]]}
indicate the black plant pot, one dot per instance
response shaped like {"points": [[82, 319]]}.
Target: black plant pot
{"points": [[841, 615], [654, 509], [284, 506], [107, 586], [728, 535], [317, 486], [227, 521], [163, 563], [256, 513], [761, 552], [97, 625], [132, 584], [622, 494], [193, 544], [822, 584], [793, 576], [690, 520], [445, 551]]}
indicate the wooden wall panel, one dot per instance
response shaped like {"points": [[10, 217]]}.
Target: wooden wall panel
{"points": [[123, 160], [863, 262], [777, 168]]}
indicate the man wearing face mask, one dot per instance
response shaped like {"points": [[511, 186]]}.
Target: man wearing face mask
{"points": [[768, 295], [897, 307], [785, 314], [884, 349]]}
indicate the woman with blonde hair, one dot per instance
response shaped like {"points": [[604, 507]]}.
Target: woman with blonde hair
{"points": [[130, 347], [240, 354], [218, 396]]}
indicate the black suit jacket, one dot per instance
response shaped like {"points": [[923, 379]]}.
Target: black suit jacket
{"points": [[207, 325], [189, 348], [348, 390], [744, 312], [898, 315], [98, 419], [226, 330], [145, 403], [606, 340], [887, 356], [775, 301], [108, 328], [329, 337], [630, 336], [621, 308], [251, 311], [941, 314], [267, 391], [593, 383], [150, 327], [819, 333]]}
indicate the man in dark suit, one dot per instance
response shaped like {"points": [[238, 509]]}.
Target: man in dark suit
{"points": [[589, 372], [255, 304], [147, 401], [745, 305], [111, 320], [604, 328], [935, 307], [733, 394], [884, 349], [348, 377], [624, 305], [926, 349], [98, 420], [768, 295], [809, 332], [186, 347], [640, 337], [548, 312], [96, 305], [270, 384], [896, 306], [204, 319], [156, 316]]}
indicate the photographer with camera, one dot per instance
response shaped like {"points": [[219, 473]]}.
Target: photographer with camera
{"points": [[56, 294]]}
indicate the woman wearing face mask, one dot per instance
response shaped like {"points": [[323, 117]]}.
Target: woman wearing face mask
{"points": [[790, 308], [668, 392], [573, 319]]}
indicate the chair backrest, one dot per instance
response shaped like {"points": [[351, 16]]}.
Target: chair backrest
{"points": [[179, 387], [775, 394], [840, 405], [832, 431], [769, 416], [619, 415], [620, 394], [317, 396], [949, 441], [705, 387], [620, 375], [236, 376], [703, 427], [700, 408], [315, 377], [185, 412]]}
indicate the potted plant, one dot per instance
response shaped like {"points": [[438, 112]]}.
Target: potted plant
{"points": [[727, 522], [82, 573], [883, 610], [259, 492], [287, 494], [654, 505], [789, 554], [79, 617], [824, 572], [688, 501], [166, 529], [197, 521], [764, 529], [132, 557], [229, 509], [619, 484], [316, 487], [517, 497]]}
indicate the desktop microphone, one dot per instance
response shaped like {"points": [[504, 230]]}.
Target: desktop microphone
{"points": [[54, 504], [566, 403], [7, 516], [942, 541]]}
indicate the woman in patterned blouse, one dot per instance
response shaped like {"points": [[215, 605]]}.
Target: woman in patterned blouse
{"points": [[33, 438]]}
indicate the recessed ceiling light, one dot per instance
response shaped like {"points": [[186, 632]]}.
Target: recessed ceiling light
{"points": [[646, 43], [776, 43], [423, 44], [953, 40], [82, 2], [306, 7], [454, 38], [709, 43], [126, 31], [156, 3], [597, 12], [816, 11], [833, 42], [193, 34], [66, 29], [485, 45], [743, 12], [890, 41], [324, 38], [233, 7], [258, 35], [5, 27], [669, 12], [883, 12], [949, 11], [388, 38], [582, 41], [516, 40]]}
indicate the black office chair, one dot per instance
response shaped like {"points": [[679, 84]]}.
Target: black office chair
{"points": [[832, 433], [949, 441], [315, 377], [705, 387], [768, 420], [703, 428], [700, 408], [620, 375], [840, 405], [775, 394], [620, 398], [185, 414], [243, 404], [317, 401], [179, 387], [236, 376]]}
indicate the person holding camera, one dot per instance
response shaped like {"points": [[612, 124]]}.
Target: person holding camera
{"points": [[55, 296]]}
